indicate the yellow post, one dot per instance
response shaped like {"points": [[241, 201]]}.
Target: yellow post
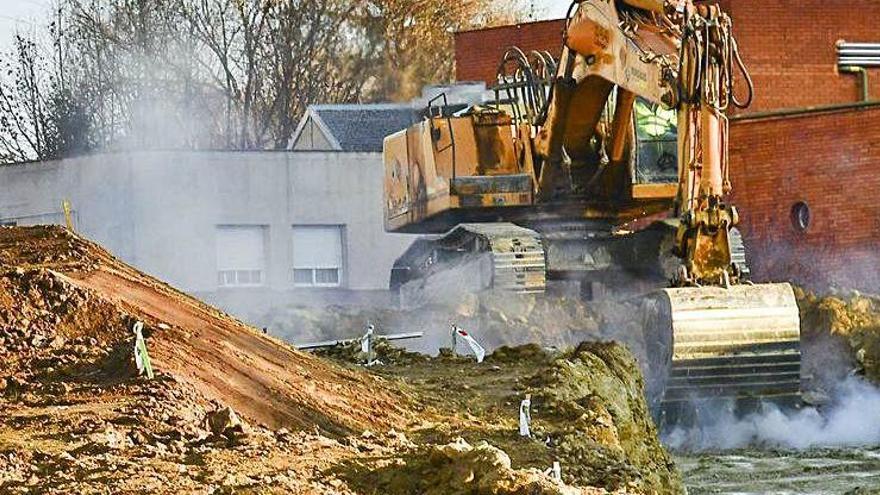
{"points": [[65, 205]]}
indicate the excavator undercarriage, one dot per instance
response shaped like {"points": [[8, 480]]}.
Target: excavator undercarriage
{"points": [[698, 343]]}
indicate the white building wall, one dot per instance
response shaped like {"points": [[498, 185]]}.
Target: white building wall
{"points": [[160, 210]]}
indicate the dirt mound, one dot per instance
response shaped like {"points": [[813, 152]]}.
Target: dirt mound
{"points": [[63, 296], [588, 412], [458, 468], [233, 410], [843, 333], [601, 428]]}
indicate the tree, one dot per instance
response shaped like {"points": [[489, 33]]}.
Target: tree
{"points": [[231, 74], [39, 118], [414, 39]]}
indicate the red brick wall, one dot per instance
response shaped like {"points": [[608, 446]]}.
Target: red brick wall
{"points": [[831, 161], [478, 53], [788, 46]]}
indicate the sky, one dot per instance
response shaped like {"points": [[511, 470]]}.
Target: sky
{"points": [[21, 15], [555, 9], [25, 15]]}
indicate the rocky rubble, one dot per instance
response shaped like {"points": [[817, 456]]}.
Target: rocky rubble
{"points": [[53, 331]]}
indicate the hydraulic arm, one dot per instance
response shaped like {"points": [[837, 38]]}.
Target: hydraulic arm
{"points": [[677, 55]]}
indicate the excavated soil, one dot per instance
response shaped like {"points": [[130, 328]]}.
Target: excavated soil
{"points": [[587, 407], [842, 335], [232, 410]]}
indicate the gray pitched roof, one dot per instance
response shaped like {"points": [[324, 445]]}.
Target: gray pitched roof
{"points": [[361, 127]]}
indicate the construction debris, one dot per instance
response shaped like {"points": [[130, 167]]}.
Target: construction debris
{"points": [[141, 356], [473, 345], [525, 416], [342, 342]]}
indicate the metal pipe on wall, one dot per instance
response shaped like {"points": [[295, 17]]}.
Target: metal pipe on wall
{"points": [[859, 52], [847, 45], [863, 62], [863, 73]]}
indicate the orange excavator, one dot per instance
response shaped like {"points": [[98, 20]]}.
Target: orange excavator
{"points": [[552, 183]]}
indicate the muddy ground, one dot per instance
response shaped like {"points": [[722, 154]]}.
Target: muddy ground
{"points": [[815, 471], [234, 411]]}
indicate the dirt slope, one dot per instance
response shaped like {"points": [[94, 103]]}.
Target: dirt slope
{"points": [[258, 376]]}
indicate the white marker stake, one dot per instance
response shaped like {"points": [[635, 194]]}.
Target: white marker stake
{"points": [[367, 344], [141, 358], [525, 416], [557, 471], [477, 349]]}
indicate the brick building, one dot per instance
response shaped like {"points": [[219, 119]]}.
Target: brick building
{"points": [[808, 139], [477, 53], [788, 46], [827, 160]]}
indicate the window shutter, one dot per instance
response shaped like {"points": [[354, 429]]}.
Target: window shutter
{"points": [[241, 248]]}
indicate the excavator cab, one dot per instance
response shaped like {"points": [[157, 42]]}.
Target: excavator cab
{"points": [[656, 150]]}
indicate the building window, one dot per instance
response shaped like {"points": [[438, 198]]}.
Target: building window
{"points": [[317, 255], [241, 255]]}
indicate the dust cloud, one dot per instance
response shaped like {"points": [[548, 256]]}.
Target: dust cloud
{"points": [[850, 420]]}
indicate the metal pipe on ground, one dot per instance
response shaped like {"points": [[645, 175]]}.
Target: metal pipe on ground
{"points": [[331, 343]]}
